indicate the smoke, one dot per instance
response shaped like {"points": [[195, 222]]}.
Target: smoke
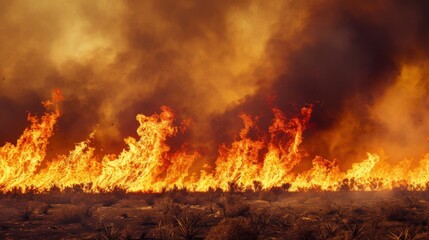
{"points": [[365, 67], [212, 60], [354, 58], [114, 61]]}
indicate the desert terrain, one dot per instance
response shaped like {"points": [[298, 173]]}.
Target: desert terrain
{"points": [[178, 214]]}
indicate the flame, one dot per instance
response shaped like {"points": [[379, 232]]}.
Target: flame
{"points": [[255, 160], [20, 162]]}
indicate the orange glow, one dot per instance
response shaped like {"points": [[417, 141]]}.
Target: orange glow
{"points": [[147, 164]]}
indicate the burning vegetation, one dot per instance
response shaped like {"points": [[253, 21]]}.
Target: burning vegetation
{"points": [[258, 161]]}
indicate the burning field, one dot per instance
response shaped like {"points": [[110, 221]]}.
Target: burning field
{"points": [[214, 119]]}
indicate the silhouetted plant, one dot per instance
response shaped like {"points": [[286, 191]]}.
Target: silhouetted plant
{"points": [[407, 233], [189, 224], [109, 232]]}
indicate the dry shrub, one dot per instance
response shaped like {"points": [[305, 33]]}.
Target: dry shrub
{"points": [[269, 196], [354, 230], [109, 201], [232, 207], [398, 213], [194, 200], [178, 195], [109, 232], [336, 210], [169, 209], [233, 229], [189, 224], [304, 230], [412, 201], [56, 198], [260, 220], [329, 229], [236, 210], [82, 199], [407, 233], [374, 230], [166, 231], [76, 214]]}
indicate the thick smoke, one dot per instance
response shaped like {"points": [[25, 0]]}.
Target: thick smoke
{"points": [[364, 65], [359, 62], [349, 58]]}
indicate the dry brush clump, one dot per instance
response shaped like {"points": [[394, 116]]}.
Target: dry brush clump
{"points": [[304, 230], [336, 210], [238, 228], [398, 213], [407, 233], [108, 232], [252, 226], [232, 206], [166, 231], [169, 209], [189, 224], [260, 220], [76, 214], [354, 230], [194, 199], [178, 223], [109, 200]]}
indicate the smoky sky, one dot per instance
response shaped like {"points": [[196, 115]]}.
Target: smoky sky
{"points": [[209, 61], [347, 56]]}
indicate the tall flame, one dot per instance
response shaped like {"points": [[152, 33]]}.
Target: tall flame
{"points": [[148, 164]]}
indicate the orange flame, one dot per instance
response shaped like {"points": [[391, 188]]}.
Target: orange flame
{"points": [[147, 164]]}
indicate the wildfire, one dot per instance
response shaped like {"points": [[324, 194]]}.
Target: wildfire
{"points": [[147, 164]]}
